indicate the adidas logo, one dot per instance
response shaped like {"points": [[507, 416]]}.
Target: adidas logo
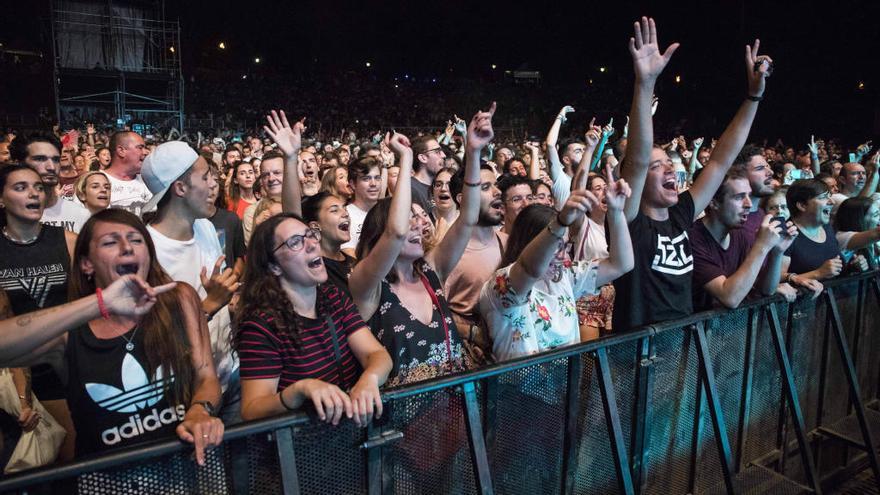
{"points": [[138, 393], [136, 425]]}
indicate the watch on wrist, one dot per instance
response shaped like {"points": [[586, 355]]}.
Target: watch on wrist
{"points": [[212, 411]]}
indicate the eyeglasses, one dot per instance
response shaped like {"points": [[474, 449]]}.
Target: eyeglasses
{"points": [[296, 242], [432, 150]]}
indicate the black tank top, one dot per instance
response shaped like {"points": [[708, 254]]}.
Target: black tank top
{"points": [[115, 401], [34, 276]]}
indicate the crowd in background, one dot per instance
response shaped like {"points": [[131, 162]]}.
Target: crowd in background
{"points": [[168, 284]]}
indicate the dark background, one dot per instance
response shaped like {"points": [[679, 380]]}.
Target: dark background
{"points": [[822, 50]]}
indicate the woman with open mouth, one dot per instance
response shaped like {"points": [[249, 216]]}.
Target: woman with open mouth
{"points": [[35, 263], [300, 340], [816, 253], [140, 367], [327, 213], [397, 287]]}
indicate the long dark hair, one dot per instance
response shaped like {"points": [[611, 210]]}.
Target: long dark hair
{"points": [[528, 225], [852, 215], [372, 230], [261, 292], [234, 188], [166, 342]]}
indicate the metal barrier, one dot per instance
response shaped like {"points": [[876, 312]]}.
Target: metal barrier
{"points": [[770, 398]]}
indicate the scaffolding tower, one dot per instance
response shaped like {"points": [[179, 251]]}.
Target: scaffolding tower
{"points": [[116, 59]]}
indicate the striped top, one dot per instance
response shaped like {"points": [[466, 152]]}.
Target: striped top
{"points": [[265, 354]]}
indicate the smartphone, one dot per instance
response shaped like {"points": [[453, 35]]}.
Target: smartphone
{"points": [[782, 221], [852, 157]]}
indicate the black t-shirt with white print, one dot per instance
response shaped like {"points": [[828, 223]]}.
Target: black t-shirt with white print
{"points": [[114, 399], [658, 288]]}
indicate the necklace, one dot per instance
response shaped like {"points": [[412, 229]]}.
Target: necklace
{"points": [[129, 342], [19, 241]]}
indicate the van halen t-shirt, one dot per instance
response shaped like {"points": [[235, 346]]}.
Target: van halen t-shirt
{"points": [[658, 288]]}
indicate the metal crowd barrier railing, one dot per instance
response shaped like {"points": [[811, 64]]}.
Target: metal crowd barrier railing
{"points": [[771, 397]]}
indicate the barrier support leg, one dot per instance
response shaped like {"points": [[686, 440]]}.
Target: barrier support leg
{"points": [[475, 438], [790, 390], [572, 413], [287, 461], [745, 404], [714, 405], [853, 382], [612, 418], [642, 416]]}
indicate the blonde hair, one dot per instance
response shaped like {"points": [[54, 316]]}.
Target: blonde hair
{"points": [[80, 187]]}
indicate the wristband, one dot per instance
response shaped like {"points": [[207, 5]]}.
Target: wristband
{"points": [[560, 221], [789, 277], [472, 184], [554, 233], [281, 398], [754, 98], [103, 309]]}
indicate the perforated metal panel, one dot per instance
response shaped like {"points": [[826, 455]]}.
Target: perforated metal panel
{"points": [[329, 459], [529, 429], [433, 457]]}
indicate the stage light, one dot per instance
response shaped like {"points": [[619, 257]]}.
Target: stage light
{"points": [[677, 79], [257, 60], [368, 64], [222, 46], [861, 85], [494, 66], [171, 49], [244, 76], [601, 69], [590, 81], [396, 86]]}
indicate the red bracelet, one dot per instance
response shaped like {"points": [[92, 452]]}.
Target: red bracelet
{"points": [[103, 309]]}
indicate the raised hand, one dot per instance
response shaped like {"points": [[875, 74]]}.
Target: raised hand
{"points": [[864, 148], [460, 125], [617, 191], [567, 109], [90, 128], [608, 130], [812, 146], [655, 102], [220, 286], [698, 143], [398, 143], [480, 131], [130, 295], [644, 47], [593, 135], [758, 69], [288, 139], [579, 203], [450, 129]]}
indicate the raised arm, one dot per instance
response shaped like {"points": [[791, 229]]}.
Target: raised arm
{"points": [[446, 255], [648, 63], [692, 166], [554, 166], [758, 69], [366, 277], [289, 141], [532, 262], [534, 163], [607, 132], [620, 251], [592, 138], [814, 155], [22, 338], [872, 167]]}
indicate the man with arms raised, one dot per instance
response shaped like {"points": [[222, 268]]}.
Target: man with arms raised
{"points": [[659, 288]]}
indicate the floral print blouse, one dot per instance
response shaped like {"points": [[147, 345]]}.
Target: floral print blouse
{"points": [[543, 318], [418, 351]]}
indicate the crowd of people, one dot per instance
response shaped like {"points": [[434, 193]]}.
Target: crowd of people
{"points": [[162, 288]]}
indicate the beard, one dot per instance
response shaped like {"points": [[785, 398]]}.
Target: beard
{"points": [[485, 219]]}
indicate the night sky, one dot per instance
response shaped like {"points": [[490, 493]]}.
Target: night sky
{"points": [[822, 49]]}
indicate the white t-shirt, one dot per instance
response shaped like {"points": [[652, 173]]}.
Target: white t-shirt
{"points": [[356, 217], [68, 213], [592, 242], [183, 261], [129, 195], [837, 199], [541, 319]]}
